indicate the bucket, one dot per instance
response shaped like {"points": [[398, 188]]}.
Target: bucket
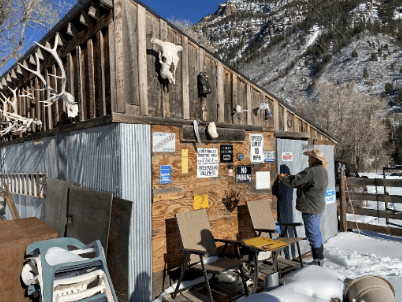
{"points": [[370, 289], [271, 281]]}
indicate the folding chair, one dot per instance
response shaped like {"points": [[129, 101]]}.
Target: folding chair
{"points": [[197, 239], [263, 222]]}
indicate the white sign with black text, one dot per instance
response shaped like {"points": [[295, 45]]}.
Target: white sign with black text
{"points": [[207, 162], [256, 148], [163, 142]]}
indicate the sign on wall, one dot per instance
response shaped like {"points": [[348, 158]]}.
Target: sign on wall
{"points": [[207, 162], [243, 173], [269, 156], [163, 142], [201, 202], [226, 153], [262, 180], [330, 196], [165, 175], [256, 146], [287, 156]]}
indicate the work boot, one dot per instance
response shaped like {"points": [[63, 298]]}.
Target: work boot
{"points": [[318, 255]]}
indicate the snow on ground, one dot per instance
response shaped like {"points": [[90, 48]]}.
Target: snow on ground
{"points": [[347, 255]]}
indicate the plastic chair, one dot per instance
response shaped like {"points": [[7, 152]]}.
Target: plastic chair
{"points": [[48, 272]]}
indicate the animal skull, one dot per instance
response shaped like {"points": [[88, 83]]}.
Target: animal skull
{"points": [[168, 59]]}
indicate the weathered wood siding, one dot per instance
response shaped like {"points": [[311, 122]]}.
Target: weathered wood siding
{"points": [[112, 67]]}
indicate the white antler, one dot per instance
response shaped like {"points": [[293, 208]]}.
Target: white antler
{"points": [[27, 94], [14, 103], [17, 123], [67, 98]]}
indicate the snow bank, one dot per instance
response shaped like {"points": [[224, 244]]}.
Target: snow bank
{"points": [[310, 284]]}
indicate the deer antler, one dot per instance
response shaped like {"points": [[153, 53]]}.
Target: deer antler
{"points": [[27, 94], [67, 98], [14, 103], [18, 123]]}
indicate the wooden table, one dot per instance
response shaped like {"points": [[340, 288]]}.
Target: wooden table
{"points": [[274, 245], [15, 236]]}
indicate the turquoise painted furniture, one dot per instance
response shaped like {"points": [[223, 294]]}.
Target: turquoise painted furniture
{"points": [[48, 271]]}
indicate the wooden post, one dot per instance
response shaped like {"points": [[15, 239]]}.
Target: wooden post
{"points": [[342, 203], [248, 100], [285, 119], [235, 119], [142, 59], [203, 97], [221, 93], [276, 116], [385, 193], [10, 203], [185, 79]]}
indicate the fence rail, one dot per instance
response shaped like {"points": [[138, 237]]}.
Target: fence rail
{"points": [[344, 207], [32, 184]]}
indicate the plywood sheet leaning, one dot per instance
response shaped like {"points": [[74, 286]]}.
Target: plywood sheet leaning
{"points": [[89, 215], [118, 246], [55, 210]]}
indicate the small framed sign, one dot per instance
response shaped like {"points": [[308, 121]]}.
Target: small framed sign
{"points": [[269, 156], [226, 153], [165, 175], [287, 156], [243, 173], [163, 142], [256, 148]]}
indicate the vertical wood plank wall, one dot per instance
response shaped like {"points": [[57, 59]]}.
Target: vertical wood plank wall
{"points": [[112, 66]]}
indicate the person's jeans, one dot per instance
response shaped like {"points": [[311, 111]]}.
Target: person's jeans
{"points": [[312, 228]]}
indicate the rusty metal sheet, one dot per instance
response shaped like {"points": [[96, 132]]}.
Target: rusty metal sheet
{"points": [[55, 212], [15, 236], [89, 215]]}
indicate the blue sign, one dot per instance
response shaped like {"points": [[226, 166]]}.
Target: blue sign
{"points": [[165, 175], [330, 195]]}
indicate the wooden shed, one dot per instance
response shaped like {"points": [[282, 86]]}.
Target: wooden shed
{"points": [[113, 71]]}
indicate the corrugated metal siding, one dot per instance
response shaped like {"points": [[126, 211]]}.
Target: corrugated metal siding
{"points": [[136, 186], [27, 206], [115, 158], [288, 212]]}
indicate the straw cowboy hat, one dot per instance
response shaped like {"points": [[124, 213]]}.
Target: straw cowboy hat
{"points": [[317, 154]]}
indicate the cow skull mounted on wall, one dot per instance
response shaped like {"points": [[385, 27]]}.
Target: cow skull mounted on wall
{"points": [[168, 58]]}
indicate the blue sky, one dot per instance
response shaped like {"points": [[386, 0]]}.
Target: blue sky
{"points": [[179, 9], [183, 9]]}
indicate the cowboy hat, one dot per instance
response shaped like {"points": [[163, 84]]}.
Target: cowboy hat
{"points": [[316, 154]]}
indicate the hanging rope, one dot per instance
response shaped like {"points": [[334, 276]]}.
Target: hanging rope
{"points": [[351, 203]]}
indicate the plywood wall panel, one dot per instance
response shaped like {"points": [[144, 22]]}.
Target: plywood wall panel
{"points": [[224, 223]]}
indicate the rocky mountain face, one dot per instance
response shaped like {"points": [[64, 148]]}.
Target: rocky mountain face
{"points": [[286, 46]]}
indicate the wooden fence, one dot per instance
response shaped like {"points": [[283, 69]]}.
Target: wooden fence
{"points": [[31, 184], [347, 199]]}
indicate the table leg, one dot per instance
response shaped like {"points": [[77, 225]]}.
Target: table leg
{"points": [[255, 256]]}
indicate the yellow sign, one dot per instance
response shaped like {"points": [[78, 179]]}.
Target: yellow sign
{"points": [[266, 243], [201, 202], [184, 161]]}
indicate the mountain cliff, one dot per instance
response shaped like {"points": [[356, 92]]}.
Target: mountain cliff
{"points": [[287, 46]]}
